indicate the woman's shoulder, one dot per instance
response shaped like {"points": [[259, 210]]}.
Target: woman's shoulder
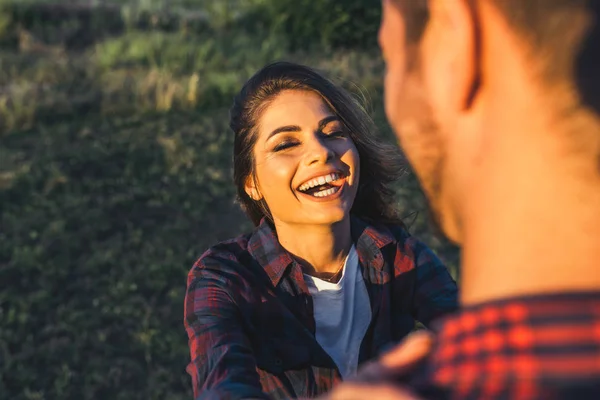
{"points": [[220, 277], [397, 234], [398, 230], [389, 231], [406, 240], [224, 258]]}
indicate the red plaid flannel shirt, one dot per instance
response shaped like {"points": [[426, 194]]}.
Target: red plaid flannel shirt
{"points": [[536, 347]]}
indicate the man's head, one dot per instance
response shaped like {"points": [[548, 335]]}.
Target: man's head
{"points": [[467, 80]]}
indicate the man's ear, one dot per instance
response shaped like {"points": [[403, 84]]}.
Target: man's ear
{"points": [[453, 53], [251, 188]]}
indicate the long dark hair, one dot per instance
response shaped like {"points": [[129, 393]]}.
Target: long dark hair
{"points": [[380, 163]]}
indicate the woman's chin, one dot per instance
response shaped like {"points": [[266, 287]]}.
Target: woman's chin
{"points": [[330, 216]]}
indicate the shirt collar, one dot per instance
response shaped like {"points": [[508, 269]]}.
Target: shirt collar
{"points": [[265, 248]]}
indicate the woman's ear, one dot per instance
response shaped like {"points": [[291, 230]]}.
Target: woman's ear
{"points": [[251, 188]]}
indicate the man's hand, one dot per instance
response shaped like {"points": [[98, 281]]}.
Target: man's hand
{"points": [[376, 381], [412, 350], [360, 391]]}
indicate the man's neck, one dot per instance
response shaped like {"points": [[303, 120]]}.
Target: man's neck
{"points": [[518, 244], [532, 219], [318, 248]]}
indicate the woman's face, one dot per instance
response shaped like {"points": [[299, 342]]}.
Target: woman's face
{"points": [[306, 165]]}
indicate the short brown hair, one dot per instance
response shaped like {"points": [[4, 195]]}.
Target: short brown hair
{"points": [[563, 35]]}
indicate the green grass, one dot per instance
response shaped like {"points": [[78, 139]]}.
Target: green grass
{"points": [[115, 175]]}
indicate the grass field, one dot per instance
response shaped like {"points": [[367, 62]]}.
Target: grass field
{"points": [[115, 175]]}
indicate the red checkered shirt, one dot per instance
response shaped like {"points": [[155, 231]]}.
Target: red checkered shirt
{"points": [[249, 315], [536, 347]]}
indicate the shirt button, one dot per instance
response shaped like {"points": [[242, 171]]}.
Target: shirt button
{"points": [[278, 362]]}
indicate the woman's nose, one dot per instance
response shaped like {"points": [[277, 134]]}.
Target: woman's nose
{"points": [[318, 152]]}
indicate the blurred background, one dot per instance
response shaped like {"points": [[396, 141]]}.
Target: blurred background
{"points": [[115, 173]]}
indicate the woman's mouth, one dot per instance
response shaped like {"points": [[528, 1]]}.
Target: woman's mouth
{"points": [[323, 187]]}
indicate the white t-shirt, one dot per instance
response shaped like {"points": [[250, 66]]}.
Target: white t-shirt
{"points": [[342, 313]]}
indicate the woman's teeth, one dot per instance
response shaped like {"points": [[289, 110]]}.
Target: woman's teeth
{"points": [[321, 180], [326, 192]]}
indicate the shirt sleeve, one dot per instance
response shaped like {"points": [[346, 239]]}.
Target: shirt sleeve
{"points": [[222, 362], [436, 293]]}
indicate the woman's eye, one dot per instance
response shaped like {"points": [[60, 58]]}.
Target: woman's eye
{"points": [[284, 145], [339, 133]]}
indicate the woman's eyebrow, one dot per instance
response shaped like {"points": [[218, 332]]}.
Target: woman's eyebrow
{"points": [[287, 128], [295, 128], [323, 123]]}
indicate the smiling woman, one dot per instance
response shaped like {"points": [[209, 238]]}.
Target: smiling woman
{"points": [[304, 174], [329, 278], [299, 93]]}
